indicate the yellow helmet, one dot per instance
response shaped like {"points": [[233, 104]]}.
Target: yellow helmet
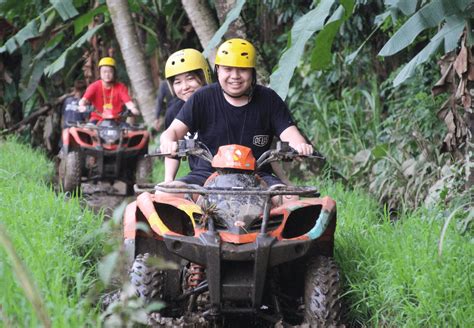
{"points": [[187, 60], [236, 53], [107, 61]]}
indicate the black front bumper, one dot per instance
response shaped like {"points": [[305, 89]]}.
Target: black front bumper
{"points": [[236, 272], [109, 164]]}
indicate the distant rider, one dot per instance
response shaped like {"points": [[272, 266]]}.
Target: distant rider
{"points": [[71, 113], [106, 93]]}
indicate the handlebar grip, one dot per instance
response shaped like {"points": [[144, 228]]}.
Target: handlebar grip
{"points": [[127, 113], [157, 154], [317, 154]]}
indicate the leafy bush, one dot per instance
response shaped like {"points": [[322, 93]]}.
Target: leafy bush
{"points": [[381, 138]]}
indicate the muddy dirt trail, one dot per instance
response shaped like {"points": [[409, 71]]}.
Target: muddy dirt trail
{"points": [[103, 196]]}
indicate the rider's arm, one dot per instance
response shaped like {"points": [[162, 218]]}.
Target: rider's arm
{"points": [[171, 168], [168, 140], [82, 105], [296, 140], [131, 106]]}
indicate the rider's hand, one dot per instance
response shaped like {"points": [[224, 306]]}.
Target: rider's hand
{"points": [[169, 147], [135, 111], [303, 148], [82, 108]]}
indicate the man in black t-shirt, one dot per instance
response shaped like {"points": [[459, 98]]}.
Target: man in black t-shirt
{"points": [[234, 111]]}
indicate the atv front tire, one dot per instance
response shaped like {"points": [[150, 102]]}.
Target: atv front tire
{"points": [[322, 293], [152, 284], [70, 171]]}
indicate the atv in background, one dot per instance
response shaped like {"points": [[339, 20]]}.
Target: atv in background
{"points": [[239, 257], [110, 151]]}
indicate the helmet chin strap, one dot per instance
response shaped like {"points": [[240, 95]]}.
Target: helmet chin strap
{"points": [[247, 93]]}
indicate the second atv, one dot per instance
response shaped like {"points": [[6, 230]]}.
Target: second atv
{"points": [[109, 151]]}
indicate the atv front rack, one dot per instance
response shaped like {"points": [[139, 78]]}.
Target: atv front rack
{"points": [[276, 190]]}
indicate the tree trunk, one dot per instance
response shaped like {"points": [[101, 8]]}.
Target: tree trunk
{"points": [[237, 29], [203, 21], [135, 63]]}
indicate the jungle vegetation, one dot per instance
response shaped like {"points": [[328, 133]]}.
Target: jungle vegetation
{"points": [[383, 88]]}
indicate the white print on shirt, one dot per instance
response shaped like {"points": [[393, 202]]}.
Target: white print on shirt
{"points": [[72, 106], [260, 140]]}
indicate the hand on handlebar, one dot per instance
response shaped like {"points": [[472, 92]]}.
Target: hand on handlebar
{"points": [[303, 149], [169, 147], [135, 111]]}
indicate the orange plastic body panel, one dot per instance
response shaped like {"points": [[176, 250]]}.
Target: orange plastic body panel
{"points": [[71, 137], [145, 202]]}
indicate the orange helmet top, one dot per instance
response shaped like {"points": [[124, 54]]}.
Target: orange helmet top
{"points": [[234, 157]]}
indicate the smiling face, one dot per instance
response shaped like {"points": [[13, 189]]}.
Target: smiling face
{"points": [[235, 81], [184, 85]]}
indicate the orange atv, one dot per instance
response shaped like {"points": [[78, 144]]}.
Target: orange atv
{"points": [[238, 256], [107, 151]]}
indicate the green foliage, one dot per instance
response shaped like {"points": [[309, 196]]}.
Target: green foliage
{"points": [[321, 55], [43, 45], [452, 15], [60, 63], [392, 272], [379, 137], [65, 8], [55, 239], [159, 170], [301, 31]]}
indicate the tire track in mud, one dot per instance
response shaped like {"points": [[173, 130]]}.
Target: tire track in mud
{"points": [[106, 197]]}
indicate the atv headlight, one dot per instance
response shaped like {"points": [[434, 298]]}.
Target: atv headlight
{"points": [[109, 135]]}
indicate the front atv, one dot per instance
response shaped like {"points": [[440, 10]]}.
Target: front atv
{"points": [[237, 254], [108, 151]]}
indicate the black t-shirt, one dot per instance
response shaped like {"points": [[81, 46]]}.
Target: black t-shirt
{"points": [[71, 112], [173, 109], [219, 123], [163, 99]]}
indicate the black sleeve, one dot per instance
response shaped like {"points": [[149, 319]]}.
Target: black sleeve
{"points": [[187, 112], [172, 111], [163, 96]]}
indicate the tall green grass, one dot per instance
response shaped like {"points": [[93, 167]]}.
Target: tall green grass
{"points": [[56, 241], [159, 170], [393, 274]]}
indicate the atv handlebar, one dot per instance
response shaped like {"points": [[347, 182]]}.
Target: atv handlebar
{"points": [[282, 152], [275, 190]]}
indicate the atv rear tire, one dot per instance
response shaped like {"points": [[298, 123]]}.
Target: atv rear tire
{"points": [[152, 284], [143, 170], [70, 171], [322, 293]]}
